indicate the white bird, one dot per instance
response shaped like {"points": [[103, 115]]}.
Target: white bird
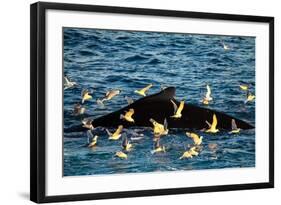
{"points": [[116, 135], [196, 138], [207, 97], [143, 91], [225, 47], [208, 93], [87, 123], [68, 83], [86, 95], [177, 109], [108, 96], [234, 128], [92, 140], [250, 97], [157, 147], [213, 126]]}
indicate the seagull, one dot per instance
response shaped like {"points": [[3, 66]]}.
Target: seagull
{"points": [[225, 47], [213, 126], [196, 138], [189, 153], [157, 147], [244, 87], [127, 146], [128, 115], [207, 97], [116, 135], [86, 95], [108, 96], [92, 140], [143, 91], [234, 128], [160, 129], [68, 83], [121, 155], [250, 97], [177, 110], [193, 151], [87, 123]]}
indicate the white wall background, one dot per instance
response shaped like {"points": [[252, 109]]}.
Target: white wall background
{"points": [[14, 103]]}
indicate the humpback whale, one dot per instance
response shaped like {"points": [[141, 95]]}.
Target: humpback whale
{"points": [[159, 107]]}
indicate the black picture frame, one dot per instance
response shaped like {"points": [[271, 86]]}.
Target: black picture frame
{"points": [[38, 100]]}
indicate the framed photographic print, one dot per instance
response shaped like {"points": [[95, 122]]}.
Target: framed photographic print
{"points": [[129, 102]]}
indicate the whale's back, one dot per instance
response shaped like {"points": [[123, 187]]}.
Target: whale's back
{"points": [[159, 107]]}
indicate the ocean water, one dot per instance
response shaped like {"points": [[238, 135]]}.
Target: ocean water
{"points": [[127, 60]]}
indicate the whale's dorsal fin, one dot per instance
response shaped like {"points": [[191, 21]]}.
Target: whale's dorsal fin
{"points": [[166, 94], [169, 92]]}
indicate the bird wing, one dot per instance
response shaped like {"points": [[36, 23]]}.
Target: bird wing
{"points": [[233, 125], [84, 92], [96, 137], [175, 106], [215, 122], [208, 94], [84, 121], [66, 80], [125, 142], [188, 134], [119, 129], [165, 124], [157, 143], [184, 147], [180, 107], [195, 136], [209, 124], [248, 95], [146, 88], [152, 121], [244, 87], [108, 132], [90, 136], [107, 93]]}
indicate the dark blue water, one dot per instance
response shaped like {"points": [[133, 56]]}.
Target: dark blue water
{"points": [[107, 59]]}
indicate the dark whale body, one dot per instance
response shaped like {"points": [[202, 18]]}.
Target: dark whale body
{"points": [[159, 107]]}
